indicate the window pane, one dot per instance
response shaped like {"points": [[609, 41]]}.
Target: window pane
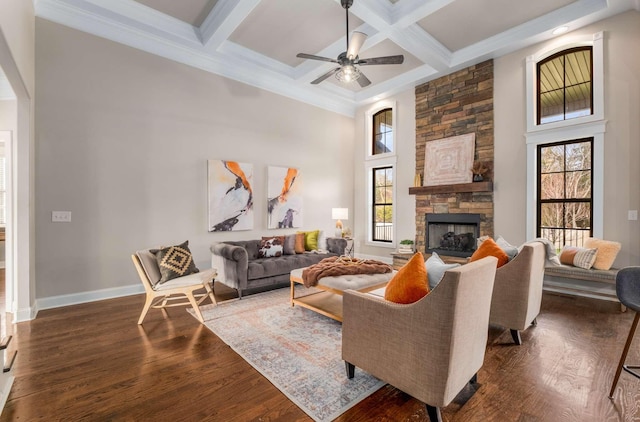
{"points": [[378, 145], [578, 184], [578, 156], [552, 215], [552, 159], [552, 186], [577, 215]]}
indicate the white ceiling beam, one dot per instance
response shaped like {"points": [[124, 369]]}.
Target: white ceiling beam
{"points": [[223, 19], [422, 45]]}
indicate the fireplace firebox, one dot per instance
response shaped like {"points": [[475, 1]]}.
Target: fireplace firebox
{"points": [[452, 234]]}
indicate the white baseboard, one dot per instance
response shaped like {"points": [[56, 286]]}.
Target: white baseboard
{"points": [[84, 297], [386, 260]]}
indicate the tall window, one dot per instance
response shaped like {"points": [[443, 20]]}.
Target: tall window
{"points": [[565, 88], [383, 132], [382, 209], [565, 206]]}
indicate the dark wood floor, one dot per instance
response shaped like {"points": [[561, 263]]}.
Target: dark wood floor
{"points": [[93, 362]]}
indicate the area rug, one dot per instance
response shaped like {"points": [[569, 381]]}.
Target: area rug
{"points": [[297, 350]]}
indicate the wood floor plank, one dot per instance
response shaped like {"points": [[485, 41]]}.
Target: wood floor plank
{"points": [[93, 362]]}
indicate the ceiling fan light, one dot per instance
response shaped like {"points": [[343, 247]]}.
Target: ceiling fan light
{"points": [[348, 74]]}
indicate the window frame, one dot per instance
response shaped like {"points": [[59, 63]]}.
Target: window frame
{"points": [[378, 161], [591, 126], [375, 204], [374, 132], [564, 200], [552, 57]]}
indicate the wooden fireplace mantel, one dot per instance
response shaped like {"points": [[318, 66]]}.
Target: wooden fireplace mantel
{"points": [[458, 188]]}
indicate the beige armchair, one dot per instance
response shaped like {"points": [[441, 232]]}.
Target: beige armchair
{"points": [[429, 349], [517, 292]]}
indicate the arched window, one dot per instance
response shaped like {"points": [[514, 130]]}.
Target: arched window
{"points": [[383, 132], [565, 88]]}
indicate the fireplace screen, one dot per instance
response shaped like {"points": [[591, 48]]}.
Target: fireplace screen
{"points": [[452, 234]]}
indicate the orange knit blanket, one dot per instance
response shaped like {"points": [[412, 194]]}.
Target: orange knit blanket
{"points": [[342, 265]]}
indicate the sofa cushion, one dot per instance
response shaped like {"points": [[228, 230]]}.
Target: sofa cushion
{"points": [[269, 267], [175, 261], [607, 252]]}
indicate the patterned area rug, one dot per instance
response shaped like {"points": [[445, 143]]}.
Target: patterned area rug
{"points": [[297, 350]]}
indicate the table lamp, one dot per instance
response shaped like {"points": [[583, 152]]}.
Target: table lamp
{"points": [[339, 214]]}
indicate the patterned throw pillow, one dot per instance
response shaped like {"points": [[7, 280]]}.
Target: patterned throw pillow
{"points": [[410, 282], [578, 257], [175, 261], [271, 247], [490, 248]]}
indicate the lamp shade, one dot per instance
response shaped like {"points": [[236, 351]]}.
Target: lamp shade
{"points": [[339, 213]]}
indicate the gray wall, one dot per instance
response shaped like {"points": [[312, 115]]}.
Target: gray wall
{"points": [[123, 139], [622, 137]]}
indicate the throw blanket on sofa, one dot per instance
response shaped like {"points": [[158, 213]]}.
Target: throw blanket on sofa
{"points": [[341, 265]]}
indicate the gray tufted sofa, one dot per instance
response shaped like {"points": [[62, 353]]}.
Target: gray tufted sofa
{"points": [[239, 267]]}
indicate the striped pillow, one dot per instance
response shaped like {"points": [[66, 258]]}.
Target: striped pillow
{"points": [[578, 257]]}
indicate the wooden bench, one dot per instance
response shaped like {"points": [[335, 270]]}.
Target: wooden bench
{"points": [[599, 284]]}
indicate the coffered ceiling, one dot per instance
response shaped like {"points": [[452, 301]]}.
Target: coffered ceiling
{"points": [[256, 41]]}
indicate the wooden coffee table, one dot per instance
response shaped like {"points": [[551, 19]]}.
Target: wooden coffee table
{"points": [[328, 300]]}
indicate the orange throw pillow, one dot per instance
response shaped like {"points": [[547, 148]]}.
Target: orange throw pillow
{"points": [[410, 282], [490, 248]]}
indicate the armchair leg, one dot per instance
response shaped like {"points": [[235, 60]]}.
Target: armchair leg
{"points": [[434, 413], [147, 305], [195, 306], [515, 334], [351, 369], [534, 322], [474, 379]]}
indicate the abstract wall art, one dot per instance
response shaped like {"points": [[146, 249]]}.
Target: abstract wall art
{"points": [[448, 161], [230, 195], [284, 198]]}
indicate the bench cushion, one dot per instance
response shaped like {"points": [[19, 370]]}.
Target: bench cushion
{"points": [[568, 271]]}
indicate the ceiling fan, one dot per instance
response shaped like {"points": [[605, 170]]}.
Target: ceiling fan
{"points": [[347, 71]]}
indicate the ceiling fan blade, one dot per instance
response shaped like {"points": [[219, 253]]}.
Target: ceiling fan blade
{"points": [[357, 39], [363, 80], [312, 57], [325, 76], [381, 60]]}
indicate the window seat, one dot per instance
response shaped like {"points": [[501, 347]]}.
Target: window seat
{"points": [[599, 284]]}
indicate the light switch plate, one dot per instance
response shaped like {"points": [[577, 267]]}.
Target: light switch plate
{"points": [[633, 214], [61, 216]]}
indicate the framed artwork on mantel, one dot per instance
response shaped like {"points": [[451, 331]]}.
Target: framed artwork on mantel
{"points": [[448, 161]]}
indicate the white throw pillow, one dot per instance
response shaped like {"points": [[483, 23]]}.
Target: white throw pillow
{"points": [[508, 248], [436, 268]]}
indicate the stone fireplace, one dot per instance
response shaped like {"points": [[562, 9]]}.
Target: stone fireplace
{"points": [[452, 234], [456, 104]]}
